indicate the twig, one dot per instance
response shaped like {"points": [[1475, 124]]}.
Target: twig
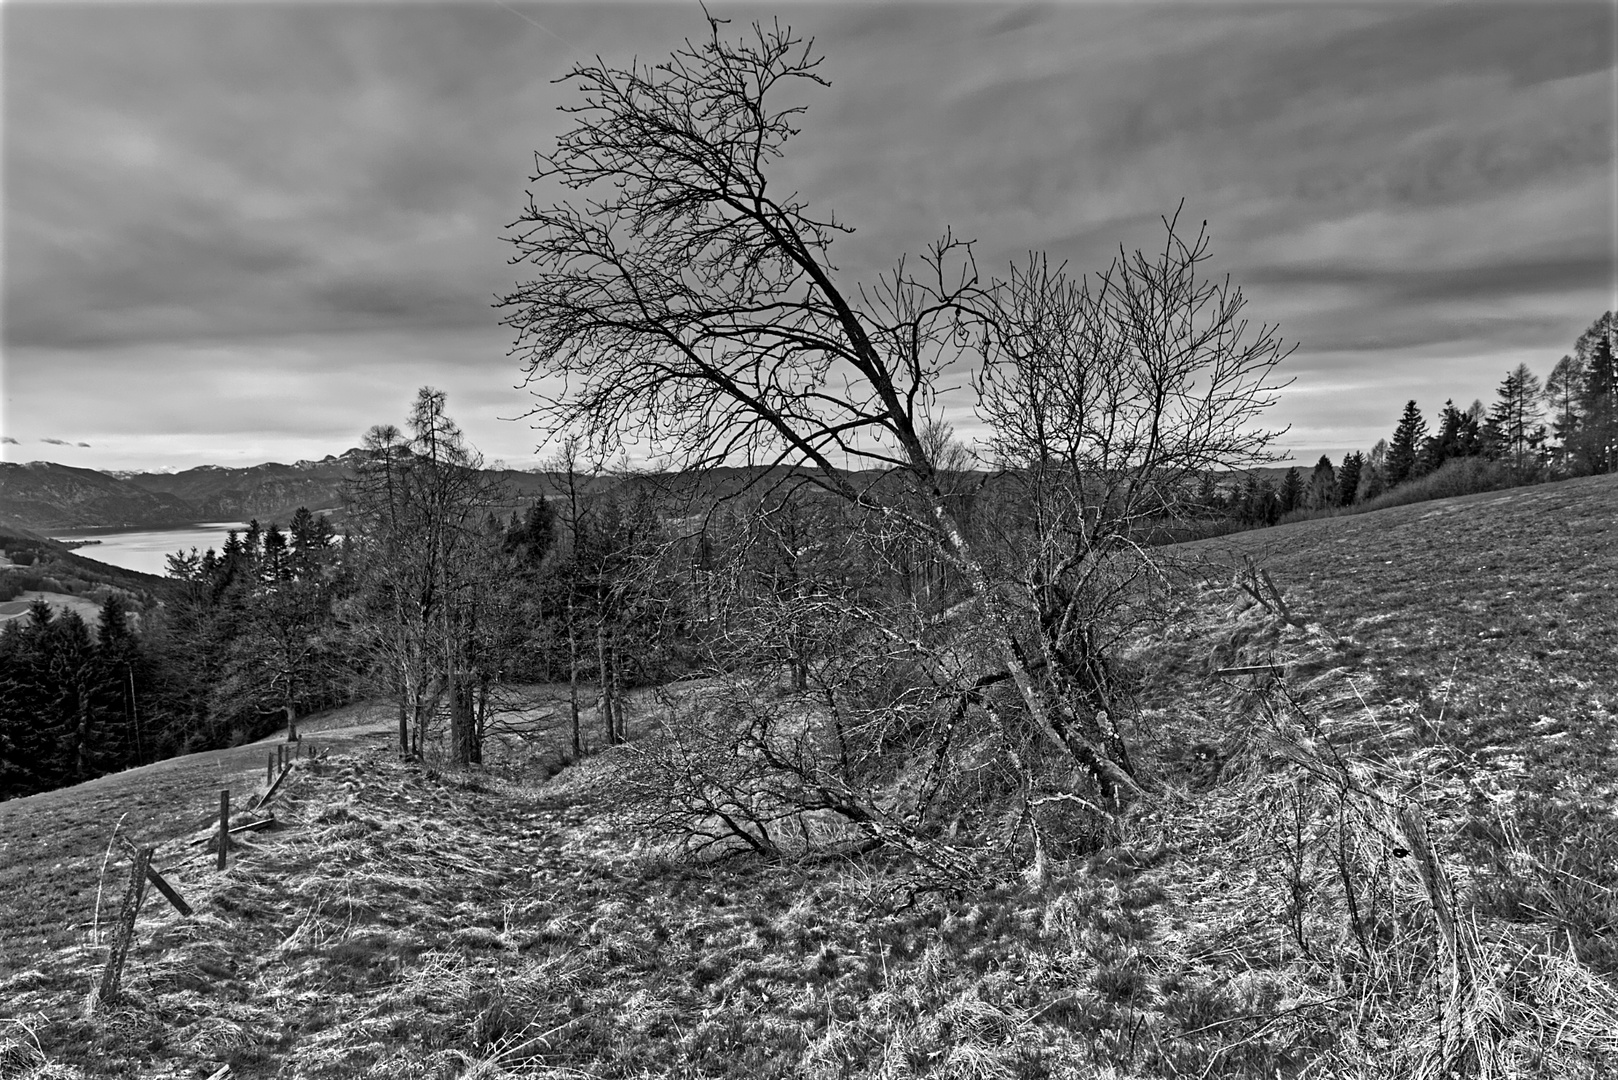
{"points": [[95, 923]]}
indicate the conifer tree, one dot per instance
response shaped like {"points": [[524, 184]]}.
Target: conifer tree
{"points": [[1514, 416], [1596, 441], [1291, 490], [1322, 491], [1562, 392], [1348, 478], [1406, 446]]}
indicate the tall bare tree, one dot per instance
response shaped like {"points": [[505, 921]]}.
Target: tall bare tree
{"points": [[687, 303], [419, 505]]}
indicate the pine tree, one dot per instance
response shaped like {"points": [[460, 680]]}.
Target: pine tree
{"points": [[1447, 444], [1291, 490], [1470, 442], [1348, 478], [1562, 390], [1322, 491], [1596, 441], [1406, 445], [1514, 416]]}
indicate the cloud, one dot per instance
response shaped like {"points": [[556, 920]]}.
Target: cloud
{"points": [[257, 228], [8, 439], [56, 442], [83, 444]]}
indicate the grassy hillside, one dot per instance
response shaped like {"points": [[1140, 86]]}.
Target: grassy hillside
{"points": [[33, 561], [54, 842], [1392, 856]]}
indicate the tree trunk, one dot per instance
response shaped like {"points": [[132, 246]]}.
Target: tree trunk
{"points": [[461, 721], [1108, 775], [617, 691], [573, 682], [604, 706], [292, 720], [404, 729], [83, 750], [481, 728]]}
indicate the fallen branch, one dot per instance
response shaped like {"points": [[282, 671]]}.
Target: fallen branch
{"points": [[1251, 669]]}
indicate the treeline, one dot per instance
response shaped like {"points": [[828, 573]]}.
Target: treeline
{"points": [[243, 640], [1563, 426], [69, 704]]}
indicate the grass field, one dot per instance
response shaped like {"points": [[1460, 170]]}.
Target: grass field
{"points": [[52, 845], [88, 610], [1397, 859]]}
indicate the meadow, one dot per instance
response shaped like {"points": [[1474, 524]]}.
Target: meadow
{"points": [[1392, 853]]}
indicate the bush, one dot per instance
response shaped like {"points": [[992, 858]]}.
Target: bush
{"points": [[1461, 476]]}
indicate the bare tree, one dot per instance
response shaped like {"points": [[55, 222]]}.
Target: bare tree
{"points": [[1106, 401], [688, 304], [419, 505]]}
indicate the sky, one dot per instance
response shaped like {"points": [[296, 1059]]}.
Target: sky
{"points": [[243, 232]]}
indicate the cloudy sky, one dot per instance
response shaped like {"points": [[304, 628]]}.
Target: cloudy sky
{"points": [[237, 232]]}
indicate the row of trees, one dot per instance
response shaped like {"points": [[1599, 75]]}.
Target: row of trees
{"points": [[440, 594], [1580, 438], [69, 706], [453, 602], [245, 640]]}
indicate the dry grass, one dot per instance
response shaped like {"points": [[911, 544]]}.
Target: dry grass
{"points": [[54, 843], [1336, 877]]}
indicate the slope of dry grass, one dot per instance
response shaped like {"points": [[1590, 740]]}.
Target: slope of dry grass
{"points": [[1395, 859], [1490, 624], [52, 845]]}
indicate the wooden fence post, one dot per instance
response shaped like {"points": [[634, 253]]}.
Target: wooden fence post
{"points": [[280, 757], [113, 973], [224, 825], [269, 770]]}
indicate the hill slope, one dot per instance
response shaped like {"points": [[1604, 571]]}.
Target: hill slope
{"points": [[1392, 857], [43, 495]]}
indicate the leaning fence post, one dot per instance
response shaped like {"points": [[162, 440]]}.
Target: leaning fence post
{"points": [[113, 973], [224, 825]]}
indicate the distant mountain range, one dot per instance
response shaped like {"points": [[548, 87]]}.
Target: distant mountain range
{"points": [[46, 497]]}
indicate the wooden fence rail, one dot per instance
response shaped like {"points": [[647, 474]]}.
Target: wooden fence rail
{"points": [[142, 873]]}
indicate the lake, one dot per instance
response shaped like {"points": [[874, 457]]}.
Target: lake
{"points": [[147, 550]]}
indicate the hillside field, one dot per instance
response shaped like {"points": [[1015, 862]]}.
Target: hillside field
{"points": [[1396, 856]]}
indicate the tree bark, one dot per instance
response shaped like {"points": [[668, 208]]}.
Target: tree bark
{"points": [[605, 689], [461, 721], [573, 682]]}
